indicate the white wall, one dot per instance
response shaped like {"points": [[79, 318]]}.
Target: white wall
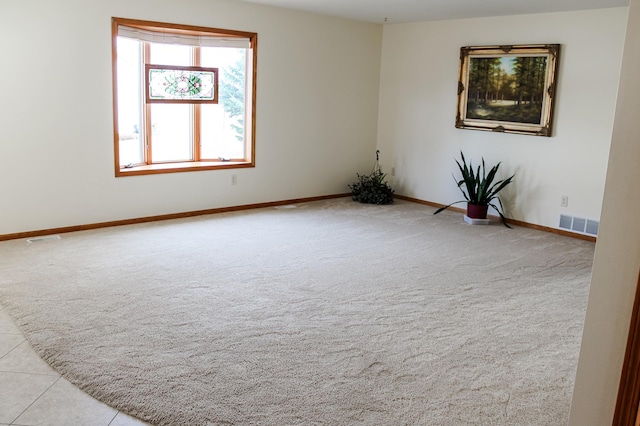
{"points": [[318, 81], [317, 111], [416, 132], [617, 259]]}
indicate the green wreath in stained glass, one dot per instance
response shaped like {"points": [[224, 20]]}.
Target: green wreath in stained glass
{"points": [[183, 84], [167, 83]]}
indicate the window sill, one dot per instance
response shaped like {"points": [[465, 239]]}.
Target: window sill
{"points": [[189, 166]]}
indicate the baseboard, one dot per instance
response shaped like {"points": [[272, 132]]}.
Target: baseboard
{"points": [[509, 221], [75, 228]]}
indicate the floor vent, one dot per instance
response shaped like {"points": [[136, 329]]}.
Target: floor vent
{"points": [[579, 224], [43, 238]]}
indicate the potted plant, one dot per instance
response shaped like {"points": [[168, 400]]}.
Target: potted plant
{"points": [[480, 190], [372, 189]]}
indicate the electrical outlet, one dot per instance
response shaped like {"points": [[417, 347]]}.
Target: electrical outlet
{"points": [[234, 179], [393, 171], [564, 201]]}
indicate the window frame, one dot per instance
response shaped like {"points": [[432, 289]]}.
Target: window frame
{"points": [[192, 165]]}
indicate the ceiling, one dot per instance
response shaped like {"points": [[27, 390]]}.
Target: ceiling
{"points": [[400, 11]]}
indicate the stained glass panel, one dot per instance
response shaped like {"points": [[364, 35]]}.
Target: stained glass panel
{"points": [[171, 84]]}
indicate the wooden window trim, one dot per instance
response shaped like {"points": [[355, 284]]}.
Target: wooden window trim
{"points": [[185, 166], [626, 413], [193, 30]]}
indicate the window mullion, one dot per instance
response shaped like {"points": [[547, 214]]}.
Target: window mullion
{"points": [[148, 133], [196, 113], [196, 132], [147, 108]]}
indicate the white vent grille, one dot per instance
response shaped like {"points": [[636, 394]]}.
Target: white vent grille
{"points": [[592, 227], [579, 224], [565, 221], [43, 238]]}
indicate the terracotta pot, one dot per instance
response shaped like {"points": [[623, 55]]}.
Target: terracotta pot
{"points": [[477, 211]]}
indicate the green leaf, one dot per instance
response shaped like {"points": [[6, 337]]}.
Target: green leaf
{"points": [[446, 207]]}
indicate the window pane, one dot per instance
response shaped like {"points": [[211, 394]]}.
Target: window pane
{"points": [[223, 125], [169, 54], [170, 124], [129, 102], [217, 138], [171, 132]]}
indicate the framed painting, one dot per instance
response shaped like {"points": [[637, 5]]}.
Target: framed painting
{"points": [[508, 88]]}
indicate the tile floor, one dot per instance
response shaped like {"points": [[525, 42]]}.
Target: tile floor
{"points": [[32, 393]]}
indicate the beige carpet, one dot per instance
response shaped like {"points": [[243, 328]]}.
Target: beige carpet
{"points": [[329, 313]]}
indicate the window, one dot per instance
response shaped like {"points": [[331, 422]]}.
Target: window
{"points": [[184, 97]]}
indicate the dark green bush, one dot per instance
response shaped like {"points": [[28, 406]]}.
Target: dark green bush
{"points": [[372, 189]]}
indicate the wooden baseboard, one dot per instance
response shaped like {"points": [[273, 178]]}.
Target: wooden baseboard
{"points": [[66, 229], [509, 221]]}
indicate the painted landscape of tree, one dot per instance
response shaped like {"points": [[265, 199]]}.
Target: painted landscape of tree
{"points": [[507, 88]]}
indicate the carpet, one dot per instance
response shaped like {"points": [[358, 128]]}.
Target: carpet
{"points": [[329, 312]]}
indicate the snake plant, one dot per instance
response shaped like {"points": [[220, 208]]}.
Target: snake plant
{"points": [[478, 186]]}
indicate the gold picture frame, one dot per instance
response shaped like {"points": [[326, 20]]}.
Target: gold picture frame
{"points": [[508, 89]]}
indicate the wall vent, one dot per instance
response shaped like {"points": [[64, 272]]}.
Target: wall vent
{"points": [[565, 221], [592, 227], [579, 224]]}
